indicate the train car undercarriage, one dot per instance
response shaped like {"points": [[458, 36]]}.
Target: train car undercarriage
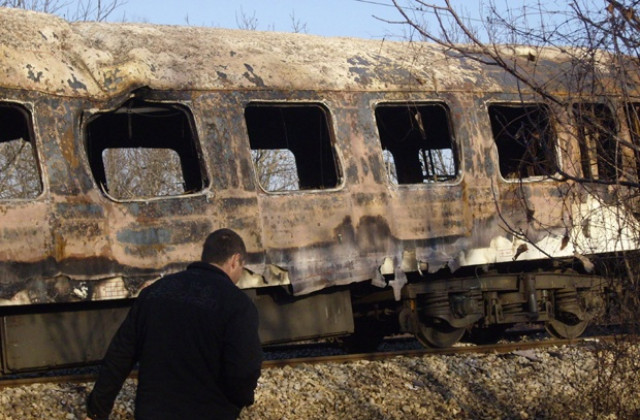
{"points": [[437, 311], [440, 311]]}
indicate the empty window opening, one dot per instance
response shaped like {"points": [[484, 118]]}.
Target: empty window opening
{"points": [[417, 145], [525, 140], [600, 154], [291, 147], [633, 122], [19, 175], [145, 150]]}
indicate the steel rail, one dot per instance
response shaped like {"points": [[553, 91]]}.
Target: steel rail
{"points": [[461, 349], [500, 348]]}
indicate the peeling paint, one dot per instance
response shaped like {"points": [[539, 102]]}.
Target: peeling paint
{"points": [[252, 77], [33, 75], [76, 84]]}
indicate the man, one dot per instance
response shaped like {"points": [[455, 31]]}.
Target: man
{"points": [[195, 336]]}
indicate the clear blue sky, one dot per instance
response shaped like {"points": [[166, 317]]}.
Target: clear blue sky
{"points": [[352, 18]]}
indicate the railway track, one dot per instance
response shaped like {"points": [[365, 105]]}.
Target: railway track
{"points": [[488, 348], [90, 374]]}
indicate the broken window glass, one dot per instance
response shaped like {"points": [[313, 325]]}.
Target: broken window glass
{"points": [[291, 146], [19, 175], [417, 143], [600, 154], [145, 150], [525, 140]]}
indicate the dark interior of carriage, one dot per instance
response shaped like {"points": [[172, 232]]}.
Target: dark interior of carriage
{"points": [[417, 143], [600, 151], [145, 149], [291, 146], [525, 140]]}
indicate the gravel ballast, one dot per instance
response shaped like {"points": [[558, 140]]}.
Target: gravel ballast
{"points": [[567, 382]]}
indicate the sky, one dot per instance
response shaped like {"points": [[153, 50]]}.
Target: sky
{"points": [[350, 18], [343, 18]]}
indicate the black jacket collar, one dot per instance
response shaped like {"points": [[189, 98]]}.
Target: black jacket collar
{"points": [[201, 265]]}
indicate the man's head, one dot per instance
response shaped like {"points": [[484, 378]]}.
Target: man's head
{"points": [[225, 249]]}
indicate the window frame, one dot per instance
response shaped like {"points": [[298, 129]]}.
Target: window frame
{"points": [[331, 130], [633, 136], [30, 119], [456, 150], [593, 160], [199, 151], [554, 133]]}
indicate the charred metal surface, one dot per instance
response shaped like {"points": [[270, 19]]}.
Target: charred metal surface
{"points": [[76, 242]]}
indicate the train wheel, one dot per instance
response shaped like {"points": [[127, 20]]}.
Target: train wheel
{"points": [[569, 330], [439, 334]]}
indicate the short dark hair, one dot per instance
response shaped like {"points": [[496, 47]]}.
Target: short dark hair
{"points": [[221, 245]]}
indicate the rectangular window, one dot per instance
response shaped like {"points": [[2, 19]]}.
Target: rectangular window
{"points": [[291, 146], [633, 121], [145, 150], [19, 175], [525, 140], [417, 143], [600, 154]]}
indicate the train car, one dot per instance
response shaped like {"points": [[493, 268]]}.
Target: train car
{"points": [[379, 186]]}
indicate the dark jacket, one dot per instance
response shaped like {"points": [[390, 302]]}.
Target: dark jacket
{"points": [[195, 336]]}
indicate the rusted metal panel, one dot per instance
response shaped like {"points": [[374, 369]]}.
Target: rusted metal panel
{"points": [[48, 54], [316, 315], [39, 341]]}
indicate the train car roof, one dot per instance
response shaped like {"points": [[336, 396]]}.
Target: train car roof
{"points": [[45, 53]]}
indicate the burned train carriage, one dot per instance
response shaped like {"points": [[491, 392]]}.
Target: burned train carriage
{"points": [[373, 182]]}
